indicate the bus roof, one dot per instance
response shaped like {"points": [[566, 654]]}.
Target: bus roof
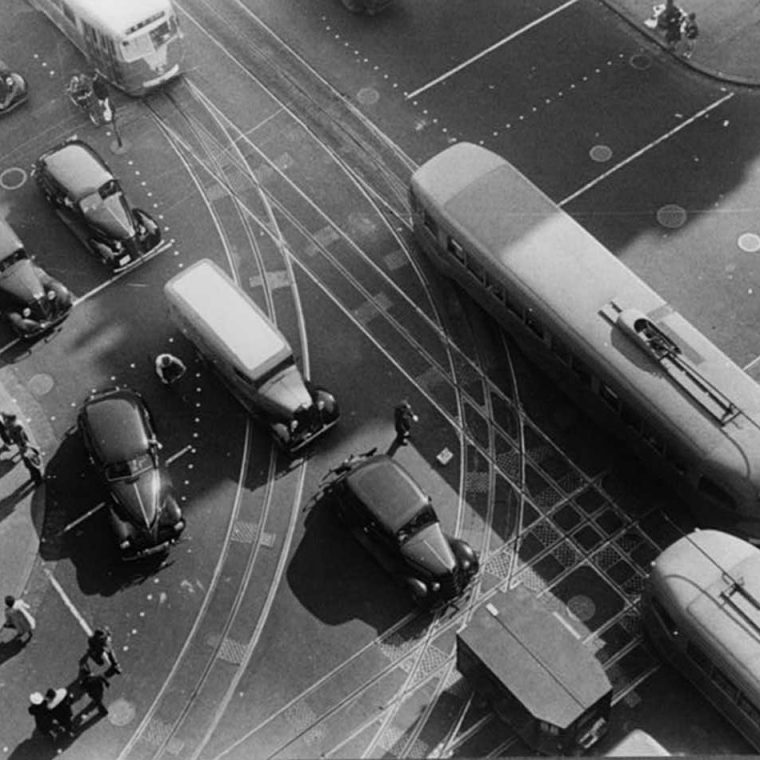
{"points": [[228, 317], [709, 581], [536, 658], [119, 16], [525, 239]]}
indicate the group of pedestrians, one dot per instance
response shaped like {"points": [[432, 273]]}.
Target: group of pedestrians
{"points": [[91, 94], [679, 27], [13, 433]]}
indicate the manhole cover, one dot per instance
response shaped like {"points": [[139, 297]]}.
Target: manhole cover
{"points": [[368, 96], [671, 216], [39, 385], [582, 607], [749, 242], [121, 712], [640, 61], [13, 178], [601, 153]]}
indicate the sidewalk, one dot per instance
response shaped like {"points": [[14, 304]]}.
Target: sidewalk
{"points": [[728, 47]]}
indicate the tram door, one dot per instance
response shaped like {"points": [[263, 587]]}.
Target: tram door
{"points": [[101, 51]]}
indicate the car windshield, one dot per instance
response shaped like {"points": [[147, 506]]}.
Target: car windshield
{"points": [[94, 200], [14, 258], [130, 468], [426, 516]]}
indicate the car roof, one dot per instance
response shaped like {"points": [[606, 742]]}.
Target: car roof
{"points": [[387, 490], [115, 424], [9, 240], [77, 167]]}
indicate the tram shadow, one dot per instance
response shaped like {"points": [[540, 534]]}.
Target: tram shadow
{"points": [[75, 525], [336, 580]]}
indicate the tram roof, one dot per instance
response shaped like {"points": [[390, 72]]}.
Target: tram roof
{"points": [[553, 675], [228, 317], [118, 15], [710, 582], [521, 235]]}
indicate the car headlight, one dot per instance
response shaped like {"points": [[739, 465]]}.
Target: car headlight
{"points": [[26, 312], [124, 545], [435, 586], [50, 295]]}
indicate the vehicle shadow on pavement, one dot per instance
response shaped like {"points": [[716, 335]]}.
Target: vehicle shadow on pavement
{"points": [[335, 579], [10, 649]]}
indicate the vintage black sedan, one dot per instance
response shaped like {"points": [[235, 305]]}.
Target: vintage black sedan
{"points": [[391, 516], [13, 90], [30, 299], [121, 441], [89, 199]]}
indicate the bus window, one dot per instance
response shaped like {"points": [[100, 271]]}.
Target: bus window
{"points": [[496, 289], [725, 685], [430, 224], [476, 269], [698, 656], [652, 438], [582, 371], [533, 324], [630, 418], [713, 491], [560, 350], [749, 709], [609, 396], [454, 248]]}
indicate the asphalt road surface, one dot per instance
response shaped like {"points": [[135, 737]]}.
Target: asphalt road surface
{"points": [[284, 155]]}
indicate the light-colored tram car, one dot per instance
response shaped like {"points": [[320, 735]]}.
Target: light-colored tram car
{"points": [[135, 44], [613, 343]]}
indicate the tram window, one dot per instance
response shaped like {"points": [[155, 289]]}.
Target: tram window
{"points": [[713, 491], [698, 656], [725, 685], [455, 249], [430, 224], [677, 464], [630, 417], [68, 13], [533, 324], [513, 307], [667, 621], [161, 34], [749, 709], [609, 396], [561, 350], [496, 289], [476, 269], [652, 439], [581, 370]]}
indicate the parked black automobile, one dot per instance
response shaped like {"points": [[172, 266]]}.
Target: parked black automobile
{"points": [[120, 439], [391, 516], [30, 299], [90, 201], [13, 90]]}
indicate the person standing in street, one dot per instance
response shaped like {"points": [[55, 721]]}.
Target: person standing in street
{"points": [[59, 711], [169, 368], [403, 417], [99, 648], [100, 91], [19, 617], [94, 687], [43, 721], [16, 431], [689, 33]]}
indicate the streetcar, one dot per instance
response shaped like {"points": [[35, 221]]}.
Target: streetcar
{"points": [[701, 610], [135, 44], [614, 345]]}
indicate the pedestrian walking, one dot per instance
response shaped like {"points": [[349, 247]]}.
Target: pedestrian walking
{"points": [[43, 721], [5, 436], [19, 617], [16, 432], [100, 91], [689, 33], [94, 687], [403, 417], [58, 704], [32, 459], [100, 649], [169, 368]]}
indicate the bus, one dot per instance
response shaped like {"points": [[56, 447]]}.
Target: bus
{"points": [[537, 675], [614, 345], [701, 611], [249, 354], [135, 44]]}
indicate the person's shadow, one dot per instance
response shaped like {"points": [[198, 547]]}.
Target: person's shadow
{"points": [[10, 648]]}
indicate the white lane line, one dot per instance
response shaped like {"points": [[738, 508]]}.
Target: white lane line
{"points": [[74, 611], [488, 50], [752, 364], [175, 457], [646, 148], [82, 518]]}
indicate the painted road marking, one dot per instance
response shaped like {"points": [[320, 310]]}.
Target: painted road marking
{"points": [[488, 50], [74, 611], [82, 518], [566, 624], [647, 148]]}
